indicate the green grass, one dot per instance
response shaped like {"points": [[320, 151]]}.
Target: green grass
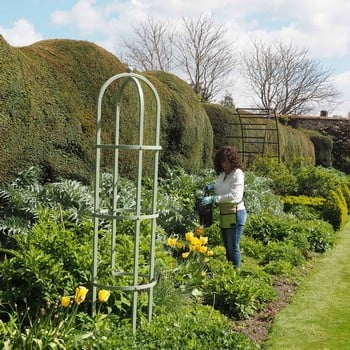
{"points": [[318, 317]]}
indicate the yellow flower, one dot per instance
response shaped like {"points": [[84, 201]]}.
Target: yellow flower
{"points": [[189, 235], [203, 240], [185, 255], [203, 249], [179, 245], [80, 294], [171, 242], [200, 230], [203, 273], [65, 301], [103, 295], [195, 241], [210, 253]]}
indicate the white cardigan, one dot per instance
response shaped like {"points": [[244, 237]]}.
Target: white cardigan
{"points": [[231, 189]]}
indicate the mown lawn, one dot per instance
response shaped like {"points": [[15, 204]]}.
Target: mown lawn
{"points": [[318, 318]]}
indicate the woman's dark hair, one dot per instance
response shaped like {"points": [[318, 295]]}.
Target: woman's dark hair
{"points": [[227, 153]]}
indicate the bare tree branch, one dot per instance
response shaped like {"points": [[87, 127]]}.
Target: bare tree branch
{"points": [[205, 56], [152, 47], [285, 79], [200, 51]]}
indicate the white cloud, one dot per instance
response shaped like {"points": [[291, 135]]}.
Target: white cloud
{"points": [[342, 82], [84, 15], [21, 34]]}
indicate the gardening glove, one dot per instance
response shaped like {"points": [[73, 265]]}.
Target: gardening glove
{"points": [[207, 200], [209, 187]]}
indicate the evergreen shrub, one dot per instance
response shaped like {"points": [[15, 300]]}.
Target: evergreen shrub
{"points": [[283, 181], [335, 210], [304, 207]]}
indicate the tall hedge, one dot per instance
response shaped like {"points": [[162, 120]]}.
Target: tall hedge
{"points": [[48, 100], [225, 124]]}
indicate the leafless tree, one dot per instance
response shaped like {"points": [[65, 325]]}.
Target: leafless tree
{"points": [[285, 79], [152, 46], [199, 53], [205, 56]]}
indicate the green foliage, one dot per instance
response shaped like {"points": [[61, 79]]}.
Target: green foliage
{"points": [[187, 138], [259, 196], [51, 254], [46, 262], [318, 181], [320, 235], [335, 210], [283, 181], [235, 295], [304, 207], [50, 328], [221, 119], [176, 199], [191, 328], [345, 188], [48, 113], [305, 235], [283, 251], [302, 200], [323, 148], [295, 142]]}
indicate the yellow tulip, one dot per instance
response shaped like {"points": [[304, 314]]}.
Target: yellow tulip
{"points": [[203, 249], [195, 241], [189, 236], [103, 295], [171, 242], [80, 294], [65, 301], [203, 240], [179, 245]]}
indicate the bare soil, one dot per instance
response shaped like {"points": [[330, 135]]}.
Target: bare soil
{"points": [[257, 327]]}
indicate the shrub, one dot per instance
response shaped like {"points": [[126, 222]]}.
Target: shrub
{"points": [[335, 210], [252, 247], [283, 181], [304, 207], [320, 235], [190, 327], [279, 268], [282, 251], [235, 295], [269, 228], [346, 192], [176, 199], [46, 262], [259, 196], [318, 181]]}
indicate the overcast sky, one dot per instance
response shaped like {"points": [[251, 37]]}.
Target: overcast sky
{"points": [[322, 27]]}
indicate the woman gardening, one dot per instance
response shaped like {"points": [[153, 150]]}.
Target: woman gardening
{"points": [[229, 188]]}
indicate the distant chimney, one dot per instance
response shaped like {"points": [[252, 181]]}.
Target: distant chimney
{"points": [[324, 114]]}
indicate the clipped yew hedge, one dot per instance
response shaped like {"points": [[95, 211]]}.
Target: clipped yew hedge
{"points": [[48, 102]]}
